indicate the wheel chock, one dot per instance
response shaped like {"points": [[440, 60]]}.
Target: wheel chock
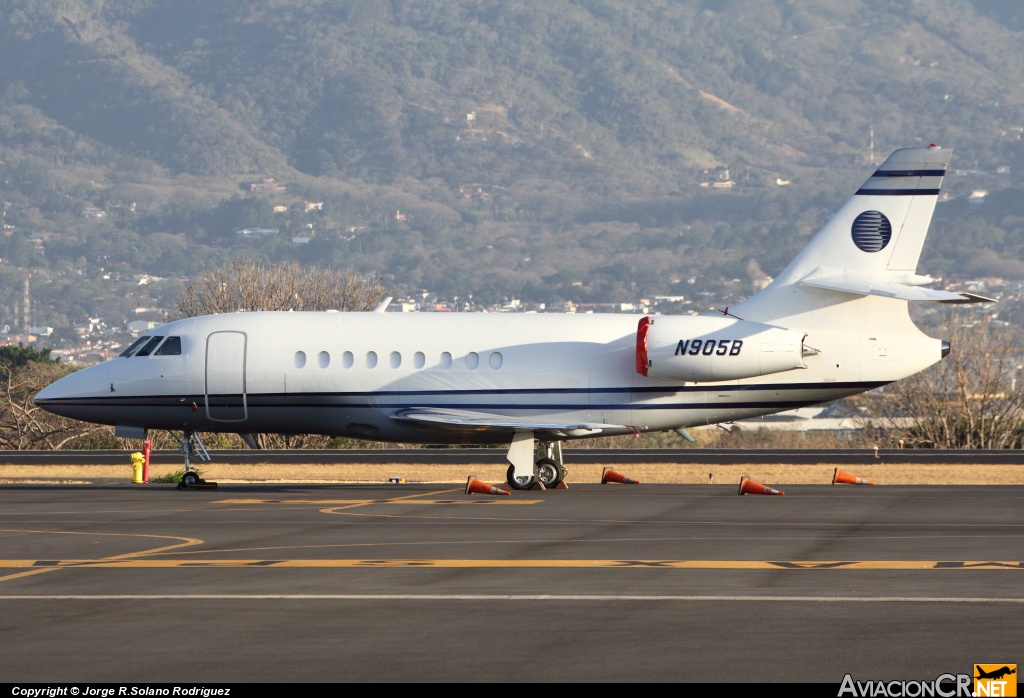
{"points": [[201, 485], [537, 485]]}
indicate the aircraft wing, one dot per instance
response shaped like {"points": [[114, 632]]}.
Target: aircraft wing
{"points": [[468, 420], [867, 286]]}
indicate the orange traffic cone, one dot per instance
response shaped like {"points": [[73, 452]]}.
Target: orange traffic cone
{"points": [[748, 486], [845, 478], [609, 475], [476, 486]]}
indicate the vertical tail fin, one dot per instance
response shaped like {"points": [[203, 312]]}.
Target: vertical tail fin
{"points": [[870, 247]]}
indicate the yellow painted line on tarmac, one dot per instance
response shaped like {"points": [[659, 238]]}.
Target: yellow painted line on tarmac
{"points": [[114, 559], [497, 500], [299, 501], [135, 563], [411, 499]]}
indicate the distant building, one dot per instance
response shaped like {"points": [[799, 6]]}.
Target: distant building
{"points": [[266, 185], [256, 232], [96, 357], [141, 326], [717, 177]]}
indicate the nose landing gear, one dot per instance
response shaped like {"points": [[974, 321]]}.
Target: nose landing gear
{"points": [[191, 447]]}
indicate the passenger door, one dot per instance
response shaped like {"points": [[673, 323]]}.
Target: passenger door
{"points": [[225, 377]]}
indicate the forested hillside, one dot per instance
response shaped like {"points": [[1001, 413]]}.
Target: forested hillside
{"points": [[550, 151]]}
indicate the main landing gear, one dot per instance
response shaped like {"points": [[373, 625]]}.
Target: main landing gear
{"points": [[532, 464]]}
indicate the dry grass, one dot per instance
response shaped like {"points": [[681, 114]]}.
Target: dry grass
{"points": [[651, 473]]}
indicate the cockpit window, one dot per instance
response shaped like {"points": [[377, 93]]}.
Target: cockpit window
{"points": [[150, 346], [172, 347], [135, 345]]}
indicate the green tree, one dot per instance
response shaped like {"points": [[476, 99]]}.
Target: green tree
{"points": [[14, 358]]}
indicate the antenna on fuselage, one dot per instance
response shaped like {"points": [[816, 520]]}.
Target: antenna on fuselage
{"points": [[383, 305]]}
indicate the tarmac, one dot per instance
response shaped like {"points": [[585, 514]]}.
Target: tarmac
{"points": [[420, 582]]}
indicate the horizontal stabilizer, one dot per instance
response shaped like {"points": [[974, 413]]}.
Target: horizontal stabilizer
{"points": [[482, 420], [868, 286]]}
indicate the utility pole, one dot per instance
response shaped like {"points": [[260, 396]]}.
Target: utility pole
{"points": [[27, 305]]}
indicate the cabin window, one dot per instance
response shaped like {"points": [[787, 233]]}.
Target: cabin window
{"points": [[323, 359], [171, 347], [347, 359], [495, 360], [135, 345], [446, 360], [150, 346], [419, 360], [472, 359], [300, 359], [371, 359], [395, 360]]}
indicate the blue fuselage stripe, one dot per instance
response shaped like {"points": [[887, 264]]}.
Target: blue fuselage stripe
{"points": [[644, 398]]}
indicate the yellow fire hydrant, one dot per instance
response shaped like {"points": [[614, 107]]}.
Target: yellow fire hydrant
{"points": [[137, 460]]}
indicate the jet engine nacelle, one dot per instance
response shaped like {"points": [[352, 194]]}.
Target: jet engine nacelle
{"points": [[703, 349]]}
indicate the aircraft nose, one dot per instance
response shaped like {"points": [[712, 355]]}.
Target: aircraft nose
{"points": [[61, 396], [47, 394]]}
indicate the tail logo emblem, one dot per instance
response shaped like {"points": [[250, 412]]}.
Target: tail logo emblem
{"points": [[871, 231]]}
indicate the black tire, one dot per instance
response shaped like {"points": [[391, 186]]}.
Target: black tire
{"points": [[520, 483], [190, 478], [549, 472]]}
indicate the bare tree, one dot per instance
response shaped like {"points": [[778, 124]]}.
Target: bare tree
{"points": [[23, 425], [974, 398], [246, 284]]}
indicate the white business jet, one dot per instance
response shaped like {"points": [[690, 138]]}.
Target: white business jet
{"points": [[834, 323]]}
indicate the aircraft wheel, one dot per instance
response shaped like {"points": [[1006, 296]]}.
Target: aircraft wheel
{"points": [[190, 478], [520, 483], [549, 472]]}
